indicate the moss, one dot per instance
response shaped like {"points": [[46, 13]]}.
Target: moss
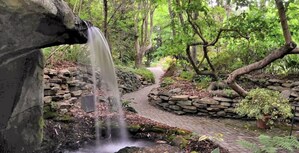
{"points": [[40, 133], [180, 141], [134, 128], [64, 118]]}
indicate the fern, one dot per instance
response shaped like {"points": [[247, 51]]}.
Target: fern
{"points": [[271, 144]]}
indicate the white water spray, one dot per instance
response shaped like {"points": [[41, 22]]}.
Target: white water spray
{"points": [[101, 58]]}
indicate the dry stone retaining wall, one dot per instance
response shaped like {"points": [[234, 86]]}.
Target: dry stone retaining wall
{"points": [[65, 87], [221, 103]]}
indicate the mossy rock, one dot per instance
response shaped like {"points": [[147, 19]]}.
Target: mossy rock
{"points": [[64, 118], [180, 141], [134, 128]]}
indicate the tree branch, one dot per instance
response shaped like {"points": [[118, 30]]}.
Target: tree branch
{"points": [[283, 20], [277, 54], [228, 30], [295, 51]]}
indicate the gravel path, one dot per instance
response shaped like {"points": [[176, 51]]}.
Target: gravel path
{"points": [[202, 125]]}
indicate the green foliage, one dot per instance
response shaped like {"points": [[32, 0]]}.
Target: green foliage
{"points": [[202, 81], [271, 144], [217, 150], [72, 53], [167, 81], [146, 74], [260, 102], [187, 75], [143, 72]]}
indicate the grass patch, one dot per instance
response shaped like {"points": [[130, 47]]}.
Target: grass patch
{"points": [[143, 72]]}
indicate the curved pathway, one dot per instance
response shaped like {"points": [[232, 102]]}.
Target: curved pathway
{"points": [[201, 125]]}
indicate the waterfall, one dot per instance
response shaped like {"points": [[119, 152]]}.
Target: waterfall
{"points": [[101, 59]]}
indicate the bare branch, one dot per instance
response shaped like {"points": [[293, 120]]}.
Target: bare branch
{"points": [[228, 30]]}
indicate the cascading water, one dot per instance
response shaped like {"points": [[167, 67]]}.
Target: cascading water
{"points": [[101, 59]]}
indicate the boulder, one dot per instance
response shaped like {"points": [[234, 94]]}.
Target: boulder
{"points": [[25, 27]]}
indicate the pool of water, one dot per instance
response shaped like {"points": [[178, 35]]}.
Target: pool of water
{"points": [[112, 147]]}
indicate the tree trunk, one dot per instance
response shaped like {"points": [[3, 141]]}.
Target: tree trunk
{"points": [[276, 54], [105, 6]]}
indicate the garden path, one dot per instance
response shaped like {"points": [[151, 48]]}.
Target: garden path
{"points": [[201, 125]]}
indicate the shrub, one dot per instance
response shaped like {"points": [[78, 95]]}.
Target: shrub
{"points": [[167, 81], [187, 75], [260, 102]]}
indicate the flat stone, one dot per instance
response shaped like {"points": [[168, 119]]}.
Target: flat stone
{"points": [[202, 114], [296, 83], [57, 81], [213, 109], [163, 94], [193, 97], [175, 91], [218, 106], [230, 110], [64, 86], [199, 105], [67, 96], [296, 89], [49, 92], [73, 83], [276, 88], [294, 94], [46, 77], [64, 105], [286, 93], [288, 85], [189, 107], [76, 93], [47, 99], [276, 81], [166, 98], [190, 111], [56, 89], [225, 104], [221, 113], [164, 105], [175, 107], [65, 72], [57, 98], [222, 99], [179, 112], [184, 103], [207, 100], [46, 86], [179, 97], [52, 72], [73, 100], [172, 102]]}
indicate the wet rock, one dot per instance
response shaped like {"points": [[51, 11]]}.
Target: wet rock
{"points": [[172, 102], [193, 108]]}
